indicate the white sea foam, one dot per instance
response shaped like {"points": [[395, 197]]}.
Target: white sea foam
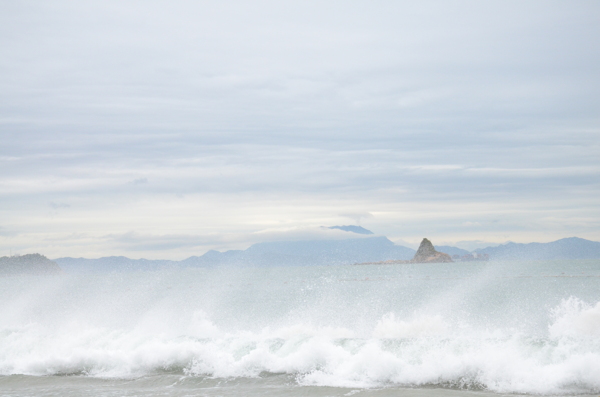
{"points": [[422, 351], [390, 327], [335, 331], [576, 318]]}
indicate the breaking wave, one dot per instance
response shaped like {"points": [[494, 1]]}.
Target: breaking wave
{"points": [[505, 328], [419, 351]]}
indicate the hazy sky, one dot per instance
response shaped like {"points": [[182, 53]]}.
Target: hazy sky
{"points": [[163, 129]]}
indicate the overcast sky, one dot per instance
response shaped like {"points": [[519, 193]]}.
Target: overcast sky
{"points": [[164, 129]]}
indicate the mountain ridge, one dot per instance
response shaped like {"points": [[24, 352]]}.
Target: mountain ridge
{"points": [[565, 248], [28, 264], [352, 228], [332, 252]]}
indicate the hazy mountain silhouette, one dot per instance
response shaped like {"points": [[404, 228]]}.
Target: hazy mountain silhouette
{"points": [[320, 252], [334, 252], [353, 229], [28, 264], [111, 263], [280, 253], [451, 250], [566, 248]]}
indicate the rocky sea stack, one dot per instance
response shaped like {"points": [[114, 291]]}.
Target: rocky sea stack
{"points": [[427, 254], [28, 264]]}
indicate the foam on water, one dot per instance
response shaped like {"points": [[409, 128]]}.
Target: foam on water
{"points": [[576, 318], [418, 348], [423, 351]]}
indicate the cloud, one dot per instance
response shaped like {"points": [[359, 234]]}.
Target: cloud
{"points": [[185, 245], [134, 241], [58, 205], [7, 233], [286, 116], [139, 181], [358, 216], [302, 234], [471, 224]]}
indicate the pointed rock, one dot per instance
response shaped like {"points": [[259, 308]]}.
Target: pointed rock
{"points": [[427, 254]]}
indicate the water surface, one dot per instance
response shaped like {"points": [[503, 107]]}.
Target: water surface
{"points": [[478, 328]]}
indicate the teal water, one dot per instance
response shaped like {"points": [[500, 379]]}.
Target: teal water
{"points": [[443, 329]]}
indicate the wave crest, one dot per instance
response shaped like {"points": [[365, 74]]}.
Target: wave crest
{"points": [[416, 351]]}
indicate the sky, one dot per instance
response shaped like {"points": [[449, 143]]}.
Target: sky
{"points": [[165, 129]]}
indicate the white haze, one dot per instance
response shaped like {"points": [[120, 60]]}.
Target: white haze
{"points": [[197, 125]]}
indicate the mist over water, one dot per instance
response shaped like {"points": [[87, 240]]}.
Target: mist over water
{"points": [[505, 327]]}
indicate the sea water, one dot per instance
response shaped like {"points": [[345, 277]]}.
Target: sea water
{"points": [[476, 328]]}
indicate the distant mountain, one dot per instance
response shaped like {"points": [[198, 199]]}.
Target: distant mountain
{"points": [[28, 264], [566, 248], [451, 250], [281, 253], [111, 264], [353, 229], [332, 252], [320, 252]]}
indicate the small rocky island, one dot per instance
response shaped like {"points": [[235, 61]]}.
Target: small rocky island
{"points": [[425, 254], [28, 264]]}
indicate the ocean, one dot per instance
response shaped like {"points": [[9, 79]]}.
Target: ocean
{"points": [[452, 329]]}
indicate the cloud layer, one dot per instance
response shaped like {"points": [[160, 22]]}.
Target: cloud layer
{"points": [[192, 126]]}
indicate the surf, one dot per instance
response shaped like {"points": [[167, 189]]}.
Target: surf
{"points": [[483, 327]]}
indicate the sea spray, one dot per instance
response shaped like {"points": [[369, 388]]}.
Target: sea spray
{"points": [[531, 329], [576, 318]]}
